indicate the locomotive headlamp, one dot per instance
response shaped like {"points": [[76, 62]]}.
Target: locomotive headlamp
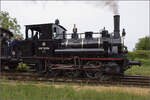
{"points": [[43, 43]]}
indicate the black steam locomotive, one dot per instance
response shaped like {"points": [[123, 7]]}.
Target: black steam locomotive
{"points": [[47, 48]]}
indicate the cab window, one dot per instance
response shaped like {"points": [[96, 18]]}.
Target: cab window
{"points": [[58, 32]]}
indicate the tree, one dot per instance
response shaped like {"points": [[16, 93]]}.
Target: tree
{"points": [[143, 44], [10, 23]]}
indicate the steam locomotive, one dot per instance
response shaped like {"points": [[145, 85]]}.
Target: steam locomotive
{"points": [[47, 48]]}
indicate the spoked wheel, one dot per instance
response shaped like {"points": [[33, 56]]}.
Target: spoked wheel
{"points": [[68, 74], [90, 74], [76, 74], [98, 75]]}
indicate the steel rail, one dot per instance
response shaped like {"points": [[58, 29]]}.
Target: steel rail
{"points": [[140, 81]]}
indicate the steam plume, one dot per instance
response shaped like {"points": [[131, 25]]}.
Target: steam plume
{"points": [[113, 5]]}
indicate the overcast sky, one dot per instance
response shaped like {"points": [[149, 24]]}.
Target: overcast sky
{"points": [[87, 15]]}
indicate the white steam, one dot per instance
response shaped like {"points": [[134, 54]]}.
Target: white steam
{"points": [[113, 5]]}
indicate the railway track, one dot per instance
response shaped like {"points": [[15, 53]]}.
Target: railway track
{"points": [[141, 81]]}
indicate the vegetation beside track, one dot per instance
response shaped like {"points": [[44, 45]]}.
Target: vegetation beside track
{"points": [[142, 56], [143, 70], [13, 90]]}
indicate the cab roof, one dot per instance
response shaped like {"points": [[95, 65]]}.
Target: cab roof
{"points": [[38, 26]]}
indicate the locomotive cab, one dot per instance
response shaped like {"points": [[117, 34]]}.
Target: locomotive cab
{"points": [[42, 39], [45, 31]]}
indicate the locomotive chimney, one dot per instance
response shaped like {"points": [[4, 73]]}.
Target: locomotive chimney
{"points": [[116, 26]]}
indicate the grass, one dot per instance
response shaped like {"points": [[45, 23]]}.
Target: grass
{"points": [[144, 57], [143, 70], [12, 90], [142, 54], [135, 70]]}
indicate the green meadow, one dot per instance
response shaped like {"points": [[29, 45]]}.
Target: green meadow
{"points": [[13, 90]]}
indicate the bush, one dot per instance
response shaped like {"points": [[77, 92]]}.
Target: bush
{"points": [[23, 67], [141, 54], [6, 68], [143, 44]]}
